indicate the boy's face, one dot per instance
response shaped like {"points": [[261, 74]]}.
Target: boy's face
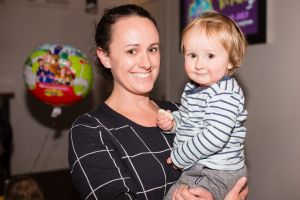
{"points": [[206, 60]]}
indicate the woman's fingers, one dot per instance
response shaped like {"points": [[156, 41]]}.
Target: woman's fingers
{"points": [[177, 194], [186, 193], [244, 193], [202, 193], [239, 191]]}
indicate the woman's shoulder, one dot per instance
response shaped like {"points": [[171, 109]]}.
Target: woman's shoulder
{"points": [[101, 116], [167, 105], [87, 126], [104, 116], [92, 117]]}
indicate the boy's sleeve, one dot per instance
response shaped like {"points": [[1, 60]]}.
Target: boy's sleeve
{"points": [[220, 119]]}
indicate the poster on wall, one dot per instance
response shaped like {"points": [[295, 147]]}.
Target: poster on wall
{"points": [[250, 15]]}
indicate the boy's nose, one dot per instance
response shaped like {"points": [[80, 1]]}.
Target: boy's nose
{"points": [[199, 64]]}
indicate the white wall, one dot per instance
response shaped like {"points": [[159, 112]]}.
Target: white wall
{"points": [[269, 76], [25, 25]]}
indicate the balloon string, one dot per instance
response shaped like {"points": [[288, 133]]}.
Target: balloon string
{"points": [[42, 147]]}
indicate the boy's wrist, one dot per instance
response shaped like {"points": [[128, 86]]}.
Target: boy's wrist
{"points": [[172, 130], [174, 127]]}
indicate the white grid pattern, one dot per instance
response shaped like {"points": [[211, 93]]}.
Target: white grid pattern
{"points": [[111, 157]]}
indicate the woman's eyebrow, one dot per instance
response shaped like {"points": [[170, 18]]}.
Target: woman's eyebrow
{"points": [[132, 45], [156, 43]]}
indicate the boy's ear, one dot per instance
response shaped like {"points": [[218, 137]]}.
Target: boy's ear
{"points": [[103, 56], [230, 66]]}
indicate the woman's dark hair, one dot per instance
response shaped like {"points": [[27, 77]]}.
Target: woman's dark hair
{"points": [[104, 28]]}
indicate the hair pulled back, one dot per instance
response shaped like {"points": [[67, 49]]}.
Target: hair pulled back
{"points": [[103, 33]]}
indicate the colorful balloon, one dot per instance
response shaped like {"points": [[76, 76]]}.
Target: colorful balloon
{"points": [[58, 75]]}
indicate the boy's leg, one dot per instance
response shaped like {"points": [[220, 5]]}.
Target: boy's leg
{"points": [[188, 177], [219, 182]]}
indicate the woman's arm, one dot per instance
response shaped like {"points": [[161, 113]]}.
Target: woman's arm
{"points": [[96, 168]]}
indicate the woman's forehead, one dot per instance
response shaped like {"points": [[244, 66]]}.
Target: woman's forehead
{"points": [[134, 29]]}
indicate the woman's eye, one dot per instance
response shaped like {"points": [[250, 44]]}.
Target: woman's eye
{"points": [[132, 51], [153, 50], [210, 55]]}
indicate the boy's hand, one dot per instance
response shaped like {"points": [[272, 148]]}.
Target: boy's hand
{"points": [[170, 162], [164, 120]]}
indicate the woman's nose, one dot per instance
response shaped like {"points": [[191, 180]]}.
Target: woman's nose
{"points": [[145, 61]]}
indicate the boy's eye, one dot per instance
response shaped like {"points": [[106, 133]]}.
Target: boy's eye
{"points": [[192, 55], [210, 55]]}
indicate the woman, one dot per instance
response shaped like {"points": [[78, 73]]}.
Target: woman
{"points": [[116, 151]]}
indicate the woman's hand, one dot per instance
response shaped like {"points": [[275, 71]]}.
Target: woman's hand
{"points": [[239, 191], [184, 193]]}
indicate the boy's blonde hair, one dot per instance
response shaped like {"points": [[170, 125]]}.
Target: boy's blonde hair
{"points": [[226, 31]]}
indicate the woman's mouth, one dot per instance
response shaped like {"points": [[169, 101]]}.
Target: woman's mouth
{"points": [[142, 75]]}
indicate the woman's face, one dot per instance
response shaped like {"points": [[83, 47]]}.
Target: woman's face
{"points": [[134, 56]]}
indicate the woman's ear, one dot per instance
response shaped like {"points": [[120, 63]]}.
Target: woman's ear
{"points": [[103, 56]]}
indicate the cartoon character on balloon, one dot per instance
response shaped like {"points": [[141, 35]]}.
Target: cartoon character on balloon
{"points": [[58, 75]]}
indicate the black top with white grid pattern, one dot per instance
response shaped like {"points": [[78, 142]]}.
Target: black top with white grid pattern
{"points": [[111, 157]]}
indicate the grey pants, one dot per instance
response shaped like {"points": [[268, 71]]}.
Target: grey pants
{"points": [[218, 182]]}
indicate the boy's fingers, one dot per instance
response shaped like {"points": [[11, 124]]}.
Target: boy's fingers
{"points": [[168, 114], [169, 161]]}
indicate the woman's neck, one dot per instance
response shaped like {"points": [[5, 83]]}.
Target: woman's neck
{"points": [[138, 108]]}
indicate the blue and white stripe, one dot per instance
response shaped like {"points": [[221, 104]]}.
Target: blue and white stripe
{"points": [[209, 126]]}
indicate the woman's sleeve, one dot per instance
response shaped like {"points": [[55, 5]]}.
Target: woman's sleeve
{"points": [[220, 119], [96, 169]]}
